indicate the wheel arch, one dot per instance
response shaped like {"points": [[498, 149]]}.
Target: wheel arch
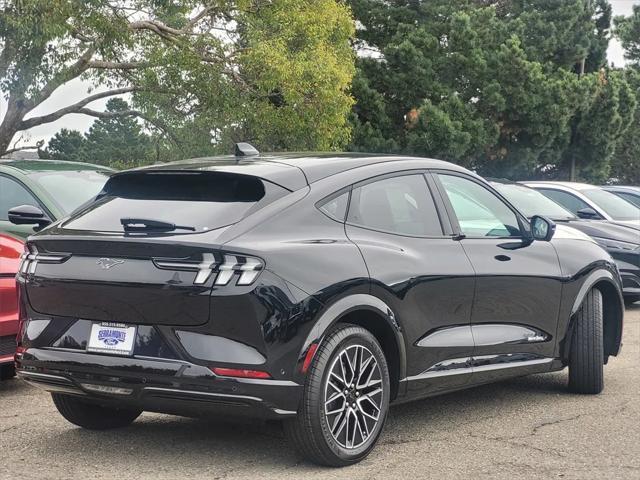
{"points": [[374, 315], [613, 309]]}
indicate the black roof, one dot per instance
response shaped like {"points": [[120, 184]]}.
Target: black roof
{"points": [[291, 170]]}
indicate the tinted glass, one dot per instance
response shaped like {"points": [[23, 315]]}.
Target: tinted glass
{"points": [[71, 189], [12, 194], [400, 205], [531, 202], [568, 201], [616, 207], [630, 197], [337, 207], [204, 201], [479, 211]]}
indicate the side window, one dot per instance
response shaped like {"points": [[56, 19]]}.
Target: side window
{"points": [[401, 205], [479, 211], [12, 194], [336, 207], [630, 197], [568, 201]]}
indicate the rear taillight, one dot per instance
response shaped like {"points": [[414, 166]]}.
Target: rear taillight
{"points": [[31, 257], [244, 267], [240, 373]]}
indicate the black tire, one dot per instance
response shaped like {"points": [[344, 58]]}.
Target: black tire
{"points": [[93, 416], [586, 359], [7, 371], [310, 431]]}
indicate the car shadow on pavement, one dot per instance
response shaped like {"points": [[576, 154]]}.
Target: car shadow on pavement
{"points": [[197, 443]]}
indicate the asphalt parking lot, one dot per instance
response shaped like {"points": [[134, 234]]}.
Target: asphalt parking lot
{"points": [[528, 428]]}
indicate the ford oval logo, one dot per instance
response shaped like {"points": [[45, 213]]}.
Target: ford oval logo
{"points": [[107, 263]]}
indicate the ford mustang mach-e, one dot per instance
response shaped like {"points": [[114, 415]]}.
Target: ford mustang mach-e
{"points": [[315, 289]]}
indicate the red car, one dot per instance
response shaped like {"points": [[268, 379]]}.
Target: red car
{"points": [[10, 250]]}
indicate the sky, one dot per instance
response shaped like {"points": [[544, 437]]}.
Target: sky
{"points": [[76, 90]]}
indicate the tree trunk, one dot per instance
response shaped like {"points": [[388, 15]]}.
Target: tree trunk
{"points": [[8, 128]]}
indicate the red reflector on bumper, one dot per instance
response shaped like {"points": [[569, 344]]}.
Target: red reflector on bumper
{"points": [[309, 356], [240, 373]]}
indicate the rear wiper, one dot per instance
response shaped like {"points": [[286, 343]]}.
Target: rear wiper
{"points": [[148, 225]]}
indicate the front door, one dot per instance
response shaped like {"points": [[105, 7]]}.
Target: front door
{"points": [[518, 281]]}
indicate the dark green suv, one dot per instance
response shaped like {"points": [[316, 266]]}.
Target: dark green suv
{"points": [[53, 188]]}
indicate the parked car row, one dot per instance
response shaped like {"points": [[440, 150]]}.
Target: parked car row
{"points": [[612, 222], [33, 194], [314, 289]]}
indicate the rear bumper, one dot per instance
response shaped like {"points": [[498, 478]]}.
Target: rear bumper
{"points": [[158, 385]]}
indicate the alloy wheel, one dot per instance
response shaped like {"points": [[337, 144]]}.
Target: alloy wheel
{"points": [[353, 396]]}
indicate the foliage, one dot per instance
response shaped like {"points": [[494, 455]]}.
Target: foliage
{"points": [[66, 145], [116, 141], [276, 71], [509, 88]]}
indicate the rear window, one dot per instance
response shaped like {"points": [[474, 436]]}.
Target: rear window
{"points": [[201, 200]]}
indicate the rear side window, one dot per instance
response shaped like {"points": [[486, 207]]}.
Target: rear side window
{"points": [[336, 207], [568, 201], [402, 205], [201, 200]]}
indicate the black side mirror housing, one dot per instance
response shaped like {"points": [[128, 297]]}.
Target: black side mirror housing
{"points": [[587, 213], [542, 228], [28, 215]]}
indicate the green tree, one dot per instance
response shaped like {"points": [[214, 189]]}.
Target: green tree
{"points": [[117, 140], [506, 88], [625, 166], [628, 32], [278, 70], [65, 145]]}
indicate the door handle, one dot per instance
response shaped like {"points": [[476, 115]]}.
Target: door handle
{"points": [[502, 258]]}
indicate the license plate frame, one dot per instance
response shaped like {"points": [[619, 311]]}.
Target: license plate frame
{"points": [[112, 338]]}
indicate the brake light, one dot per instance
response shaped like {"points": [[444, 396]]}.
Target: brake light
{"points": [[247, 267], [31, 257], [240, 373]]}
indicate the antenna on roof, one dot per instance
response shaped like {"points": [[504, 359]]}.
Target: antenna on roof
{"points": [[246, 150]]}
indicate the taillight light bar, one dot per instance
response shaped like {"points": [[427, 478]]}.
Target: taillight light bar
{"points": [[247, 267], [31, 257]]}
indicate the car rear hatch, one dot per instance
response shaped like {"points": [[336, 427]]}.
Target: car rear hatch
{"points": [[145, 251]]}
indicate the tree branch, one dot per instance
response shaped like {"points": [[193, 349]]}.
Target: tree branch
{"points": [[38, 144], [75, 70], [106, 65], [75, 108]]}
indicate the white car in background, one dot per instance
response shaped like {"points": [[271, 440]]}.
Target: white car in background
{"points": [[590, 202]]}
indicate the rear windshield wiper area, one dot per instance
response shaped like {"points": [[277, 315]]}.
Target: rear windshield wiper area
{"points": [[149, 225]]}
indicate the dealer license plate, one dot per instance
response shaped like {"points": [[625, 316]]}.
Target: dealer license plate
{"points": [[114, 338]]}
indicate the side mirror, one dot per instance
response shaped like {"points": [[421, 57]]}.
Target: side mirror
{"points": [[542, 228], [587, 213], [28, 215]]}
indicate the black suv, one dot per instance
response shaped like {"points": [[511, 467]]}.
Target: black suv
{"points": [[316, 289]]}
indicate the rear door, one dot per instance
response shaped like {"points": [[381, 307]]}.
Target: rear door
{"points": [[518, 281], [420, 272]]}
